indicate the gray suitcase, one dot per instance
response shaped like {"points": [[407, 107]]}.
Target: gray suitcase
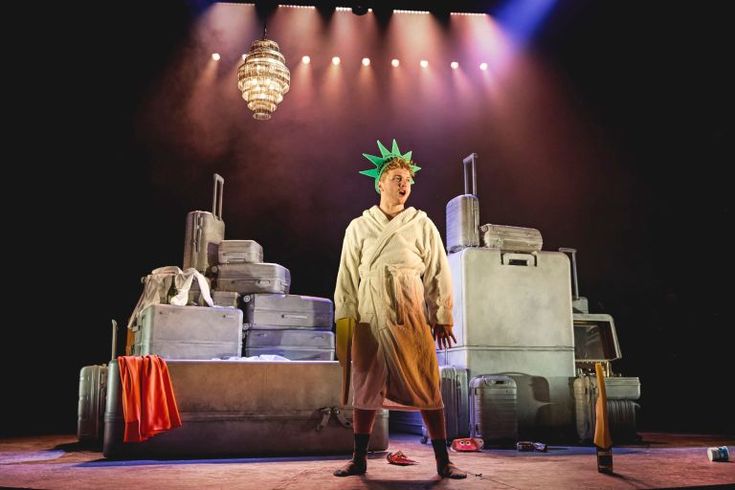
{"points": [[512, 313], [463, 214], [226, 298], [273, 311], [204, 232], [188, 332], [239, 251], [91, 409], [493, 409], [621, 406], [295, 344], [253, 278], [454, 388], [231, 408], [511, 238]]}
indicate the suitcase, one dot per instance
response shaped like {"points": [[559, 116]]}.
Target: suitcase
{"points": [[512, 313], [511, 238], [91, 409], [463, 214], [188, 332], [204, 232], [253, 278], [239, 251], [493, 409], [595, 340], [226, 298], [621, 409], [287, 311], [295, 344], [455, 397], [239, 409]]}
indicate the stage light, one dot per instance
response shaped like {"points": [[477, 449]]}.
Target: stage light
{"points": [[423, 63], [305, 60], [216, 56], [335, 60], [395, 62], [483, 66], [366, 62], [454, 65]]}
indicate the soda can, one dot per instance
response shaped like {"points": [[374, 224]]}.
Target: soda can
{"points": [[718, 453]]}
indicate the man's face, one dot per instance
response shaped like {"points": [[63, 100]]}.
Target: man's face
{"points": [[395, 185]]}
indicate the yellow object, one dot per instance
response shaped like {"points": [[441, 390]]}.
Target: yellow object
{"points": [[345, 331], [602, 437]]}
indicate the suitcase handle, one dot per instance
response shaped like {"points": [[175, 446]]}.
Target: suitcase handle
{"points": [[573, 253], [285, 315], [219, 187], [470, 159], [521, 259]]}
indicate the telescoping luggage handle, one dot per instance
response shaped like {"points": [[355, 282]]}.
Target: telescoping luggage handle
{"points": [[219, 187], [470, 159]]}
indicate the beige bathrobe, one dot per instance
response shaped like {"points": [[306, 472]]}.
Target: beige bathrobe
{"points": [[394, 279]]}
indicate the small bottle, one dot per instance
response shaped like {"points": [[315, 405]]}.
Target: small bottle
{"points": [[604, 460]]}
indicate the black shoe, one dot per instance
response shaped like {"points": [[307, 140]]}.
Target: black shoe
{"points": [[353, 468]]}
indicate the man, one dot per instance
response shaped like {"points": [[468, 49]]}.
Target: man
{"points": [[393, 299]]}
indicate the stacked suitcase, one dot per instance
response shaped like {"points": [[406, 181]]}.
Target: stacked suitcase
{"points": [[513, 317], [230, 406], [596, 341]]}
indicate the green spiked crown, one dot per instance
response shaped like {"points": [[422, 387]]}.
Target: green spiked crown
{"points": [[384, 159]]}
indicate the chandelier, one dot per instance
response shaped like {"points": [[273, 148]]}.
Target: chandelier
{"points": [[263, 78]]}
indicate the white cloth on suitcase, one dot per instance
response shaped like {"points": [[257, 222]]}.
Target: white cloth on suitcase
{"points": [[160, 281]]}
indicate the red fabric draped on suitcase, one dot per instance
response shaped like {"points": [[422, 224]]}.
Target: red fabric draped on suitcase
{"points": [[149, 404]]}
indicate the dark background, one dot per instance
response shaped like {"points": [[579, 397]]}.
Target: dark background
{"points": [[612, 134]]}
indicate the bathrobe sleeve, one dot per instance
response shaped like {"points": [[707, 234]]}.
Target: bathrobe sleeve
{"points": [[348, 277], [437, 278]]}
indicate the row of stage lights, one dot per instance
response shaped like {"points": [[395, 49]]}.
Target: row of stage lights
{"points": [[395, 62], [361, 10]]}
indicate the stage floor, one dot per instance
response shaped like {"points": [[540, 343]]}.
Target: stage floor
{"points": [[659, 461]]}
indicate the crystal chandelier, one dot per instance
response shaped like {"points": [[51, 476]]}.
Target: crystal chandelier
{"points": [[263, 78]]}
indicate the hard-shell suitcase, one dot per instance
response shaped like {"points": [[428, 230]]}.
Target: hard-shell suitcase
{"points": [[93, 398], [188, 332], [295, 344], [239, 251], [512, 312], [253, 278], [273, 311], [493, 409], [454, 386], [511, 238], [226, 298], [463, 213], [237, 408], [621, 409], [204, 232], [91, 409]]}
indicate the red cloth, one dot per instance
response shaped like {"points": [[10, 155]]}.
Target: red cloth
{"points": [[149, 404]]}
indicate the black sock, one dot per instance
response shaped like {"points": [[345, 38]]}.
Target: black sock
{"points": [[361, 446], [440, 452]]}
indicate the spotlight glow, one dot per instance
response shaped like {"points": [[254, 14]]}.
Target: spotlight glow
{"points": [[244, 56], [335, 60], [366, 62], [454, 65], [424, 63], [306, 60], [216, 56], [395, 62], [483, 66]]}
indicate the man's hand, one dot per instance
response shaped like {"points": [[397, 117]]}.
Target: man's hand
{"points": [[443, 336]]}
